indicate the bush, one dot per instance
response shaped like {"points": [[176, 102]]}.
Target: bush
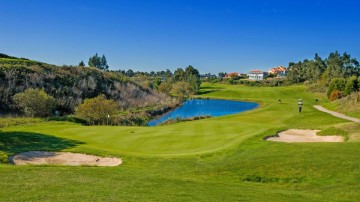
{"points": [[4, 157], [335, 95], [351, 85], [165, 87], [178, 119], [336, 84], [131, 119], [96, 110], [182, 89], [35, 102]]}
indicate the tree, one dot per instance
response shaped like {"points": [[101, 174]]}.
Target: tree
{"points": [[179, 75], [341, 66], [165, 87], [222, 74], [98, 62], [168, 73], [35, 102], [82, 64], [337, 84], [334, 64], [351, 85], [96, 110], [182, 89], [192, 76], [103, 63], [130, 73], [295, 73], [94, 61]]}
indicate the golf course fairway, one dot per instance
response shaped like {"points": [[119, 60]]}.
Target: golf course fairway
{"points": [[215, 159]]}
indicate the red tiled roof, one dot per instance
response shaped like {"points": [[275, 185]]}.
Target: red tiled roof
{"points": [[277, 69], [232, 74], [256, 71]]}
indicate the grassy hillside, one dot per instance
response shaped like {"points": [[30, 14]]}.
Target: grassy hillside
{"points": [[70, 85], [223, 158]]}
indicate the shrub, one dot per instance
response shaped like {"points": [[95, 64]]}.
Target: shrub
{"points": [[336, 84], [182, 89], [131, 119], [178, 119], [164, 87], [96, 110], [335, 95], [351, 85], [35, 102], [4, 157]]}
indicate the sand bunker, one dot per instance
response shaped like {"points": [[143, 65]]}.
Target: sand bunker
{"points": [[294, 135], [62, 158]]}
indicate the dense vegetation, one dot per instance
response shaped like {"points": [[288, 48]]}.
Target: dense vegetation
{"points": [[38, 90], [320, 72], [214, 159], [35, 102], [338, 76], [70, 86], [181, 83]]}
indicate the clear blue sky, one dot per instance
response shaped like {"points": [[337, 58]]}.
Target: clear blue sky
{"points": [[146, 35]]}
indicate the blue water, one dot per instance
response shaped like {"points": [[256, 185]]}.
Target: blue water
{"points": [[199, 107]]}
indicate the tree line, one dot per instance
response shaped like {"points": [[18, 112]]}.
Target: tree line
{"points": [[337, 75], [182, 83]]}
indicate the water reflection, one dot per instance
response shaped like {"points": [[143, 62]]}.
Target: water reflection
{"points": [[201, 107]]}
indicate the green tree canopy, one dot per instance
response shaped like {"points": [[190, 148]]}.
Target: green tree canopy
{"points": [[82, 64], [35, 102], [336, 84], [351, 85], [96, 110], [165, 87], [98, 62], [182, 89]]}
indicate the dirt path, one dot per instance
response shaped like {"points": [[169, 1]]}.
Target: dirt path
{"points": [[337, 114]]}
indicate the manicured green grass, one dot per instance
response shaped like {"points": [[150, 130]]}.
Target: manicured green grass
{"points": [[222, 158], [333, 131]]}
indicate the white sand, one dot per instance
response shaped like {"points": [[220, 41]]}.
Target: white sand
{"points": [[295, 135], [62, 158]]}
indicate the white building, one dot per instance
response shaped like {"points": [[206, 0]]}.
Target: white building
{"points": [[257, 75]]}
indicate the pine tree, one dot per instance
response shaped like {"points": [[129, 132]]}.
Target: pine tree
{"points": [[103, 63], [98, 62], [82, 64]]}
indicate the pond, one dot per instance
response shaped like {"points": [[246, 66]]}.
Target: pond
{"points": [[201, 107]]}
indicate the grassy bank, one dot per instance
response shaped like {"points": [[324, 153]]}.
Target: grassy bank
{"points": [[221, 158]]}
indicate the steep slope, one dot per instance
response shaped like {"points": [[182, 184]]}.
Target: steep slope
{"points": [[70, 85]]}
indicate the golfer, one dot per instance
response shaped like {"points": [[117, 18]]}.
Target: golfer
{"points": [[300, 103]]}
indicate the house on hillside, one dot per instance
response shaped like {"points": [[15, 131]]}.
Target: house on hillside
{"points": [[279, 71], [231, 75], [257, 75]]}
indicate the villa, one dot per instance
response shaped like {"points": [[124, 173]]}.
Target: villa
{"points": [[257, 75], [231, 75], [279, 71]]}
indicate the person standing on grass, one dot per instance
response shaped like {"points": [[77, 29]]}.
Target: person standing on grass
{"points": [[300, 103]]}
